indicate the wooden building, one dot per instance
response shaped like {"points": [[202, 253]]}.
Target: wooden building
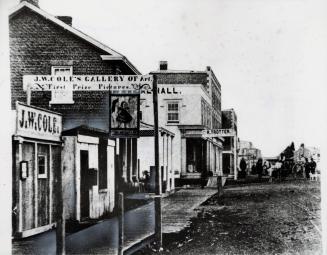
{"points": [[36, 163]]}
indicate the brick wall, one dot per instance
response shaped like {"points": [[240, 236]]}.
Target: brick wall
{"points": [[226, 119], [183, 78], [36, 44]]}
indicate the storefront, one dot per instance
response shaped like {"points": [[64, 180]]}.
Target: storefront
{"points": [[201, 156], [146, 157], [36, 163], [88, 173]]}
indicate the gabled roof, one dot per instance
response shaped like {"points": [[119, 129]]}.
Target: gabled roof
{"points": [[112, 54]]}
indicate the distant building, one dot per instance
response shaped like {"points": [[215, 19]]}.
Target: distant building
{"points": [[189, 103], [249, 153], [307, 152], [230, 158]]}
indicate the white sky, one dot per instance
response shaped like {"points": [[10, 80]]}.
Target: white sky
{"points": [[270, 56]]}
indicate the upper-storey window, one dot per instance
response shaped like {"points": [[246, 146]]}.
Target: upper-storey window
{"points": [[173, 112], [64, 96]]}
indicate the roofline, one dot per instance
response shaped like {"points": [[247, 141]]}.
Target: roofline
{"points": [[177, 71], [161, 129], [74, 31], [121, 58]]}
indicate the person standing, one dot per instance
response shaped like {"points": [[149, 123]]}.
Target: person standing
{"points": [[307, 168], [259, 168], [313, 166], [243, 168]]}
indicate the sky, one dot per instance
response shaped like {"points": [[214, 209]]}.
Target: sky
{"points": [[268, 55]]}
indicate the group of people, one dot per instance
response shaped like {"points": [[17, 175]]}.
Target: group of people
{"points": [[281, 169], [259, 168], [309, 167]]}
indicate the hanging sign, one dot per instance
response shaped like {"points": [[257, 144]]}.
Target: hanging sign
{"points": [[218, 132], [124, 115], [117, 84], [38, 123]]}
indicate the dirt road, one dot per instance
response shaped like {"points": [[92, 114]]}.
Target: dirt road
{"points": [[279, 218]]}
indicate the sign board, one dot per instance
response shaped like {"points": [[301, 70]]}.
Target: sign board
{"points": [[218, 133], [117, 84], [124, 115], [38, 123]]}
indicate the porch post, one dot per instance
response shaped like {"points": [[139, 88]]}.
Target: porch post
{"points": [[235, 157], [135, 160], [183, 155], [124, 158], [208, 156]]}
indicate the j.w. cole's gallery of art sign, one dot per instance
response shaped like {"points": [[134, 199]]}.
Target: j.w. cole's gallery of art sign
{"points": [[120, 84], [37, 123]]}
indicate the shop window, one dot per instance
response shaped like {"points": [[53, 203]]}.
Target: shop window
{"points": [[42, 166], [64, 96], [173, 115]]}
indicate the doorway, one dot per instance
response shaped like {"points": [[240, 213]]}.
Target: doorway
{"points": [[85, 185]]}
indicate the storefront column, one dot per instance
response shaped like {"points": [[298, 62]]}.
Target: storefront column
{"points": [[163, 156], [208, 156], [167, 163], [20, 195], [183, 155], [50, 183], [217, 160], [221, 162], [130, 159], [36, 210], [235, 157], [124, 158], [171, 164], [134, 159]]}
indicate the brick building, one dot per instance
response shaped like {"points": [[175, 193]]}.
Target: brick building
{"points": [[92, 163], [230, 159], [250, 154], [189, 103]]}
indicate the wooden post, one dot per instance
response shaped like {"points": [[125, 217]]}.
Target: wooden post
{"points": [[60, 230], [121, 222], [157, 199]]}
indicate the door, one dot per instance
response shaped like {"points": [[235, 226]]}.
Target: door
{"points": [[28, 188], [85, 187], [43, 174]]}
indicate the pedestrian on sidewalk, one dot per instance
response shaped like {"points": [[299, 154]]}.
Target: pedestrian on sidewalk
{"points": [[259, 168]]}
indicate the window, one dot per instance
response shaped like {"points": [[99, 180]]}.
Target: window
{"points": [[42, 166], [62, 97], [173, 112]]}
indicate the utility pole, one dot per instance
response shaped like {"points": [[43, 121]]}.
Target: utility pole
{"points": [[157, 198]]}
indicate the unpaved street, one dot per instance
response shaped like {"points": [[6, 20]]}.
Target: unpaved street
{"points": [[279, 218]]}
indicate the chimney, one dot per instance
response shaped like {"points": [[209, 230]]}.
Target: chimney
{"points": [[34, 2], [67, 19], [163, 65]]}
